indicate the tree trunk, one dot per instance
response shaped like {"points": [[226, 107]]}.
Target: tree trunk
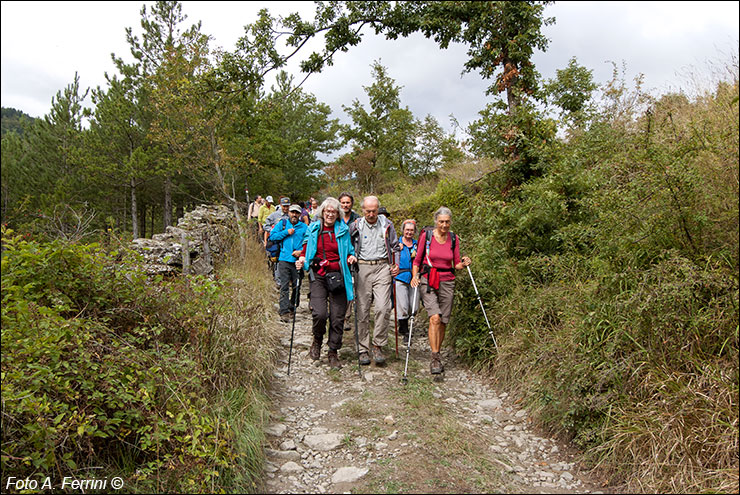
{"points": [[167, 206], [179, 209], [134, 212], [142, 220]]}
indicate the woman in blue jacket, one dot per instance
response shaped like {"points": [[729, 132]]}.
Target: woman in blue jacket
{"points": [[329, 252], [405, 303]]}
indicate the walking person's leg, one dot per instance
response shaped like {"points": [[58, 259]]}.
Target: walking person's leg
{"points": [[319, 315], [337, 310], [286, 304], [362, 308], [437, 328], [382, 293], [431, 300], [403, 298]]}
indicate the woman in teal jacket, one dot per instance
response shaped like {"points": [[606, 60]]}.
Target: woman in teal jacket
{"points": [[328, 248]]}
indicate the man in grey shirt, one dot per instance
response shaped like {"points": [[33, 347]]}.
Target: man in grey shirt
{"points": [[376, 244]]}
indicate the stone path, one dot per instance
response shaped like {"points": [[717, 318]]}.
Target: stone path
{"points": [[332, 432]]}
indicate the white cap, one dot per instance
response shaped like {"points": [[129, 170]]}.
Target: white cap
{"points": [[268, 199]]}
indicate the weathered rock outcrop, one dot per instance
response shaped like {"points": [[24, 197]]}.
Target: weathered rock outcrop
{"points": [[208, 231]]}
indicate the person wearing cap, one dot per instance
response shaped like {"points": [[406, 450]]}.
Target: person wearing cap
{"points": [[272, 219], [384, 212], [289, 234], [277, 215], [265, 210], [376, 243]]}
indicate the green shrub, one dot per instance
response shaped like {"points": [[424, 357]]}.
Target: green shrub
{"points": [[102, 366], [611, 285]]}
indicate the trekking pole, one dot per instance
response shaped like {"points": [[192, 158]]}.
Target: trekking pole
{"points": [[490, 331], [295, 310], [405, 380], [354, 271], [395, 312]]}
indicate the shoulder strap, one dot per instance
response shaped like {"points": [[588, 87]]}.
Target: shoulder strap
{"points": [[429, 232]]}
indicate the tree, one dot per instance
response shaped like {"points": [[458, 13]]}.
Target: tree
{"points": [[434, 148], [54, 147], [501, 39], [386, 129], [167, 60], [118, 144], [501, 36], [571, 91]]}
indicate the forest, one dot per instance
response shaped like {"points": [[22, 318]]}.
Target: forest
{"points": [[603, 222]]}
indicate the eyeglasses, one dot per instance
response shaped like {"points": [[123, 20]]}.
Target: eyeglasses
{"points": [[330, 212]]}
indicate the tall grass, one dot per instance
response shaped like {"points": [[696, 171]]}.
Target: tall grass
{"points": [[612, 286]]}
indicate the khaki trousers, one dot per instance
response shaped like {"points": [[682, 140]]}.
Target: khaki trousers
{"points": [[373, 284]]}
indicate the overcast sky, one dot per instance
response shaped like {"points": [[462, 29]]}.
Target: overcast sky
{"points": [[45, 43]]}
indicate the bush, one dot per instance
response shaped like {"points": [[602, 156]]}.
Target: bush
{"points": [[104, 367], [611, 284]]}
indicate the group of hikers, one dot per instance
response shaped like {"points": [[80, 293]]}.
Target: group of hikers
{"points": [[359, 260]]}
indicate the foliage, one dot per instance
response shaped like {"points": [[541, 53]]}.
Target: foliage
{"points": [[14, 121], [104, 367], [611, 281], [387, 129]]}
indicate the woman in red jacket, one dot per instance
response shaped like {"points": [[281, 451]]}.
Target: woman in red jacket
{"points": [[437, 258]]}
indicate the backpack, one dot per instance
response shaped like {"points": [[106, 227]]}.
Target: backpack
{"points": [[428, 233], [274, 247]]}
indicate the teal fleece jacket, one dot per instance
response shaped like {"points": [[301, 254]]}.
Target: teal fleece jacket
{"points": [[345, 249]]}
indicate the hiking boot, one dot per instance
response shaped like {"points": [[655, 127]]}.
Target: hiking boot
{"points": [[315, 351], [435, 367], [378, 356], [285, 317], [364, 358], [334, 360]]}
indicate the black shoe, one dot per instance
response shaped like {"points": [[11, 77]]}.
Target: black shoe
{"points": [[364, 358], [378, 356]]}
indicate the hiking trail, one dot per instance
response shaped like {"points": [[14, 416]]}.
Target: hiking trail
{"points": [[331, 432]]}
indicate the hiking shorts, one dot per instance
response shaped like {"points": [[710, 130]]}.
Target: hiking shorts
{"points": [[438, 301]]}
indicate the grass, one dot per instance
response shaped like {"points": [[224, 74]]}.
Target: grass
{"points": [[244, 349]]}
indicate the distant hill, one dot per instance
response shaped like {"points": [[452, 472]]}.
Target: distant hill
{"points": [[14, 120]]}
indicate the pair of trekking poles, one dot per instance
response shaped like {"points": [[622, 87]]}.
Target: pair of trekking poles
{"points": [[404, 379]]}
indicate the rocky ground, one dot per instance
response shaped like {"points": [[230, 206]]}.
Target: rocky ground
{"points": [[335, 432]]}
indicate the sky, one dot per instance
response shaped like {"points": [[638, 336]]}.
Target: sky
{"points": [[669, 43]]}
